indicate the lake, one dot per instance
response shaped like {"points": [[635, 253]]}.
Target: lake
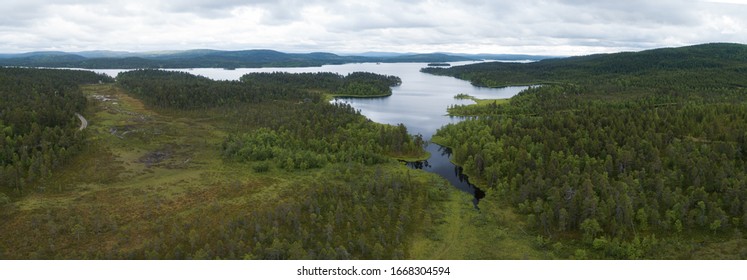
{"points": [[419, 103]]}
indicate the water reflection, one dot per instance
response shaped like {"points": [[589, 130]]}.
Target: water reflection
{"points": [[456, 177]]}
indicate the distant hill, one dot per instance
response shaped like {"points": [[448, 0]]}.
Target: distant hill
{"points": [[103, 53], [206, 58], [381, 54], [40, 59], [675, 65], [480, 56], [432, 57], [202, 58], [507, 57]]}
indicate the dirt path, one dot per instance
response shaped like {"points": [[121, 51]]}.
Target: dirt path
{"points": [[83, 121]]}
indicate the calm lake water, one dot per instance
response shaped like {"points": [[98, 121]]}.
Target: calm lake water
{"points": [[419, 103]]}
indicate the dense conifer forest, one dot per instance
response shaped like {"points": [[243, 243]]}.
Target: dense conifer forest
{"points": [[38, 125], [614, 156], [631, 155], [281, 172], [293, 125], [357, 84]]}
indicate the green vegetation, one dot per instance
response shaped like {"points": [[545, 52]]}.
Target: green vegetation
{"points": [[347, 212], [301, 131], [711, 65], [38, 126], [623, 156], [480, 107], [463, 96], [632, 155], [357, 84], [158, 178], [180, 90], [460, 232]]}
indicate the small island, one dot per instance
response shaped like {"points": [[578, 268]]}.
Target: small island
{"points": [[439, 64], [463, 96]]}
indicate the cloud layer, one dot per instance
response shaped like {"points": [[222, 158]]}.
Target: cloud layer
{"points": [[564, 27]]}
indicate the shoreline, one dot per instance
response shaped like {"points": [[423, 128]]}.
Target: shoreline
{"points": [[478, 103], [473, 179]]}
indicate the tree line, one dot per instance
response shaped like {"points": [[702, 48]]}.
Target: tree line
{"points": [[342, 196], [643, 149], [354, 84], [300, 130], [38, 126], [181, 90], [714, 65], [350, 212]]}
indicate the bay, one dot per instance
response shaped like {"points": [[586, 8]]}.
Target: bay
{"points": [[419, 103]]}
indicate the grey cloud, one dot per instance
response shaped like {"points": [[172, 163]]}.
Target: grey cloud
{"points": [[588, 23], [428, 25], [20, 13], [277, 11], [357, 20], [198, 6]]}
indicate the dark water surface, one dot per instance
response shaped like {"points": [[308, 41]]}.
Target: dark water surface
{"points": [[419, 103]]}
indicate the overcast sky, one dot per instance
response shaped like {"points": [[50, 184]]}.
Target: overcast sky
{"points": [[566, 27]]}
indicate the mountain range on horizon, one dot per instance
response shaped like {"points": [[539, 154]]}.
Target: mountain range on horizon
{"points": [[207, 58]]}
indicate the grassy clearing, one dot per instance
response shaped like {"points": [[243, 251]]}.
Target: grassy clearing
{"points": [[481, 102], [425, 156], [480, 106], [486, 102], [143, 167], [493, 232], [461, 232], [139, 165]]}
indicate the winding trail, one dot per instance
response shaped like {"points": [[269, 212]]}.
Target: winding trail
{"points": [[83, 121]]}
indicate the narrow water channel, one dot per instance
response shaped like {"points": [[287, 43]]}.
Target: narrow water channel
{"points": [[420, 104], [439, 163]]}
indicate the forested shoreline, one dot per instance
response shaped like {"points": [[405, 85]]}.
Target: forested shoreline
{"points": [[286, 113], [636, 159], [339, 193], [616, 156], [356, 84]]}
